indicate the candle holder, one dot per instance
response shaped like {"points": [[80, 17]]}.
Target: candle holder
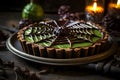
{"points": [[94, 10]]}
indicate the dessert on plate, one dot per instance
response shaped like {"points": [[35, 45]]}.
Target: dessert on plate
{"points": [[63, 39]]}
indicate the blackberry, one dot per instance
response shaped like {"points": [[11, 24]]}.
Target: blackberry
{"points": [[65, 12]]}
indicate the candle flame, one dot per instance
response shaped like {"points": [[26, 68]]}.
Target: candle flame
{"points": [[118, 2], [94, 6]]}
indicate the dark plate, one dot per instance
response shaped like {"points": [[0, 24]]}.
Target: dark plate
{"points": [[14, 46]]}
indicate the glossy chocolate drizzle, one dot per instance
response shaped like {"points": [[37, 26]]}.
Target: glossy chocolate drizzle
{"points": [[62, 32]]}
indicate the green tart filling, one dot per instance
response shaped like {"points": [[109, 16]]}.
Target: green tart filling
{"points": [[76, 34]]}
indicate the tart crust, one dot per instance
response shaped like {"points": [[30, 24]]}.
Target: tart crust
{"points": [[50, 52]]}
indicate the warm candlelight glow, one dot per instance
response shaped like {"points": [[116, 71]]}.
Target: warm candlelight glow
{"points": [[94, 8], [115, 5], [118, 4]]}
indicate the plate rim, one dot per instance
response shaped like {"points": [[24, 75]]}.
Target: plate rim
{"points": [[51, 61]]}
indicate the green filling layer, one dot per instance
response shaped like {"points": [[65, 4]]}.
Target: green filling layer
{"points": [[28, 31], [97, 33], [84, 44], [29, 39], [75, 45], [62, 46], [44, 44], [37, 39]]}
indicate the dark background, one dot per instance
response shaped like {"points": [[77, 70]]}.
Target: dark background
{"points": [[47, 5]]}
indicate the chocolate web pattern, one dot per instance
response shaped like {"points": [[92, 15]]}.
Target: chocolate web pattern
{"points": [[55, 32]]}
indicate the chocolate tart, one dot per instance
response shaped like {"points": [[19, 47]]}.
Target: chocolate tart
{"points": [[63, 39]]}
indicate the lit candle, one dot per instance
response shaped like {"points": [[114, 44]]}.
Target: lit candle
{"points": [[94, 11], [94, 8], [118, 4], [115, 5]]}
